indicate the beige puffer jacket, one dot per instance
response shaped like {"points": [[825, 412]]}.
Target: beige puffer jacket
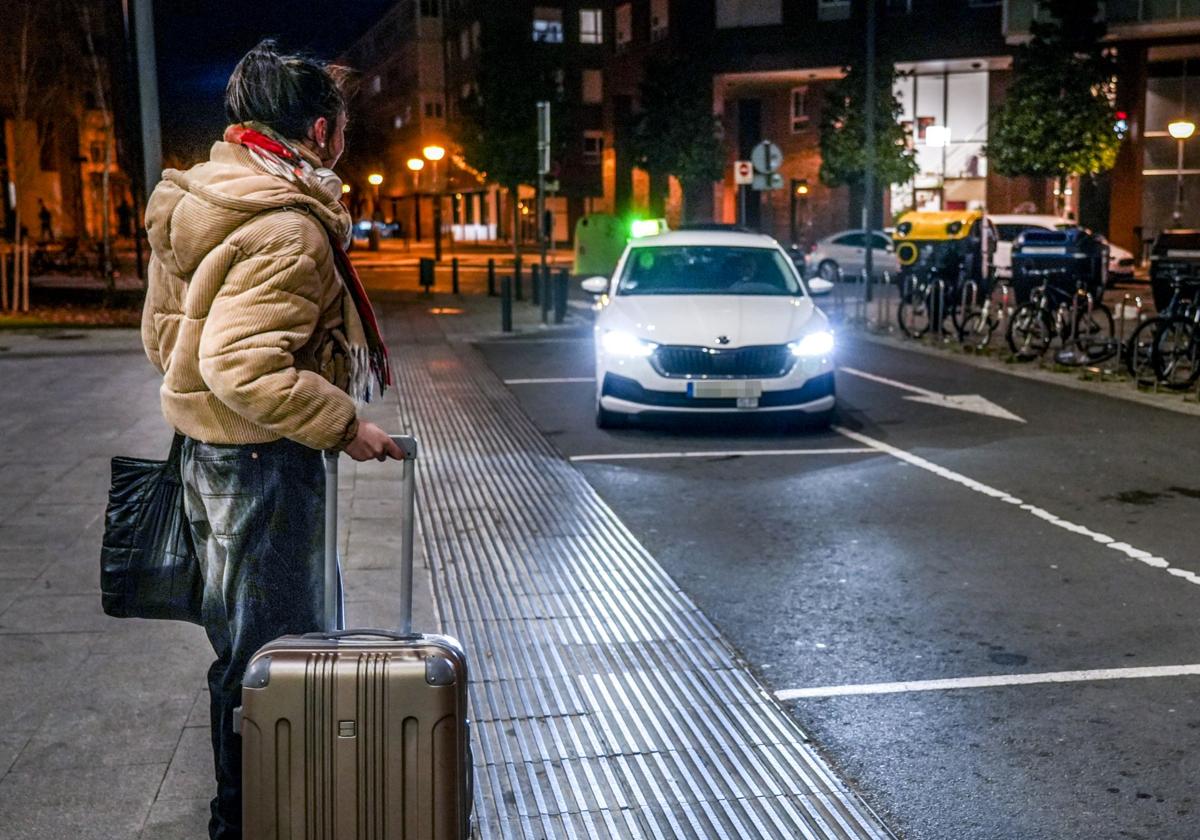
{"points": [[243, 316]]}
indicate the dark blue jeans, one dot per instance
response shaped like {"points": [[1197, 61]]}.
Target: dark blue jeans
{"points": [[257, 514]]}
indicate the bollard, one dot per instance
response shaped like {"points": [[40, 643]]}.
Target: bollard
{"points": [[535, 284], [491, 277], [518, 292], [839, 295], [3, 278], [506, 298], [454, 275], [860, 302], [562, 283], [426, 274], [547, 294], [940, 315]]}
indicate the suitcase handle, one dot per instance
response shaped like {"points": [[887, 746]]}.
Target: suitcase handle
{"points": [[335, 635], [408, 486]]}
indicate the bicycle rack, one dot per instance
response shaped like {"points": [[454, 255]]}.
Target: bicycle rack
{"points": [[860, 300], [881, 305], [941, 310], [839, 295]]}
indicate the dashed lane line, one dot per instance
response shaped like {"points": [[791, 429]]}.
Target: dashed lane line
{"points": [[996, 681], [738, 453], [1124, 548]]}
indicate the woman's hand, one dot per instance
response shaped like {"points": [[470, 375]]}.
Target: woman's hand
{"points": [[372, 442]]}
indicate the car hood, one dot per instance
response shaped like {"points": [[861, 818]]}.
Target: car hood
{"points": [[698, 320]]}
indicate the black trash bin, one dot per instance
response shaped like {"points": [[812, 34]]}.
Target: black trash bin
{"points": [[1175, 255], [1063, 258]]}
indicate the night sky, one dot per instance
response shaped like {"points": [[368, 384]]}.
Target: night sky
{"points": [[199, 42]]}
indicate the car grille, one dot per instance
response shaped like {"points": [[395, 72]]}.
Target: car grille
{"points": [[765, 362]]}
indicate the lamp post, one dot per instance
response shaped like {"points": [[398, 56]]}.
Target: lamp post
{"points": [[415, 165], [374, 179], [1181, 130], [433, 154]]}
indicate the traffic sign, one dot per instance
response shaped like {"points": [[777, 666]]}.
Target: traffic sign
{"points": [[767, 181], [766, 157], [743, 172]]}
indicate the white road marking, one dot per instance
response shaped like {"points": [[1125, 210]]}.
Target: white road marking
{"points": [[551, 380], [638, 456], [979, 487], [973, 403], [990, 682]]}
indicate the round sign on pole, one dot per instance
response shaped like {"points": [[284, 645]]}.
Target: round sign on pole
{"points": [[766, 157], [743, 172]]}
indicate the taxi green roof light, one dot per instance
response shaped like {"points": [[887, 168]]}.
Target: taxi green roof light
{"points": [[644, 227]]}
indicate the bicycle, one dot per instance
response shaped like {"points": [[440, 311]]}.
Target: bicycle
{"points": [[981, 321], [1176, 353], [926, 302], [1139, 349], [1075, 319]]}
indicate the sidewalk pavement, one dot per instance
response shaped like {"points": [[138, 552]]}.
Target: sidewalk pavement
{"points": [[106, 723]]}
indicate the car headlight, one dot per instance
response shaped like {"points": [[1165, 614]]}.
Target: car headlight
{"points": [[618, 343], [818, 343]]}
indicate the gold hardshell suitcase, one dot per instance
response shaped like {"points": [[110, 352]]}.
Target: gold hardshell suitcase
{"points": [[358, 734]]}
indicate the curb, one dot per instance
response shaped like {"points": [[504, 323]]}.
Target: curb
{"points": [[1161, 400]]}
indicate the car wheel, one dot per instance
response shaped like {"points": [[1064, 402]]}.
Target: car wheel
{"points": [[828, 271]]}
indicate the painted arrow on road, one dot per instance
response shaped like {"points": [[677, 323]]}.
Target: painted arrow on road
{"points": [[973, 403]]}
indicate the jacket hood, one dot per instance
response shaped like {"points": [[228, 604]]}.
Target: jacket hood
{"points": [[191, 212]]}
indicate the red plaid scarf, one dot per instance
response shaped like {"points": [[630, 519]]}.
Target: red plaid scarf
{"points": [[281, 159]]}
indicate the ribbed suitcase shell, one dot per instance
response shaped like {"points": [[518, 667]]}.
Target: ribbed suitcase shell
{"points": [[356, 739]]}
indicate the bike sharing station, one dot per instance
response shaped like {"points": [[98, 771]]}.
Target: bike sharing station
{"points": [[1051, 313]]}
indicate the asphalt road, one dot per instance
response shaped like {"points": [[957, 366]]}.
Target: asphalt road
{"points": [[944, 545]]}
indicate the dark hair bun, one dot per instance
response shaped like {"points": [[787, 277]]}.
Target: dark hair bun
{"points": [[285, 92]]}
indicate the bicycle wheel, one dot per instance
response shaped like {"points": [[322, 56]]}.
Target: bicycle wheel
{"points": [[1029, 332], [977, 330], [1139, 351], [1093, 333], [1176, 355], [913, 313]]}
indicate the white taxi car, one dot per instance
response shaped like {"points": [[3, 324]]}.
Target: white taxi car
{"points": [[698, 322]]}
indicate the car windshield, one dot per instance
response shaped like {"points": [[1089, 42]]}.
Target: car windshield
{"points": [[706, 270]]}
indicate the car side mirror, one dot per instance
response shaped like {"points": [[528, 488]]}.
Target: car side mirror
{"points": [[595, 285], [819, 286]]}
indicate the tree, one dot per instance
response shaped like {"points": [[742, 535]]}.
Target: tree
{"points": [[1058, 118], [498, 133], [100, 90], [843, 132], [676, 132]]}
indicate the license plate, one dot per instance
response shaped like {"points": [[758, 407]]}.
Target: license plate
{"points": [[1043, 249], [747, 402], [1183, 253], [739, 389]]}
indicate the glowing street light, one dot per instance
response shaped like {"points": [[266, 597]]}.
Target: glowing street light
{"points": [[374, 179], [416, 164], [1181, 129], [434, 153], [345, 189]]}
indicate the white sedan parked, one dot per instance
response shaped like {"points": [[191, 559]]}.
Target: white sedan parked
{"points": [[699, 322], [844, 255]]}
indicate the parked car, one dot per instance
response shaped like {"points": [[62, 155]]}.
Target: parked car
{"points": [[847, 251], [1011, 225], [703, 322]]}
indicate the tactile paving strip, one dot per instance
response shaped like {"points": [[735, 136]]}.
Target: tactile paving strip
{"points": [[605, 704]]}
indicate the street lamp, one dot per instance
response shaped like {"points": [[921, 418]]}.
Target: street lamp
{"points": [[374, 179], [1181, 130], [415, 165], [433, 154]]}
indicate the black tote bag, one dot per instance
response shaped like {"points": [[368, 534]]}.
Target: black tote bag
{"points": [[148, 566]]}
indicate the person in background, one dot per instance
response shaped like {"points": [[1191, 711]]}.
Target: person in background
{"points": [[44, 217], [278, 347]]}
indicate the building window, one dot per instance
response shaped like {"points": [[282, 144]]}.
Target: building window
{"points": [[593, 87], [376, 84], [833, 9], [397, 122], [732, 14], [799, 109], [464, 44], [899, 7], [593, 146], [431, 8], [433, 109], [591, 26], [547, 24], [659, 19], [624, 26]]}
